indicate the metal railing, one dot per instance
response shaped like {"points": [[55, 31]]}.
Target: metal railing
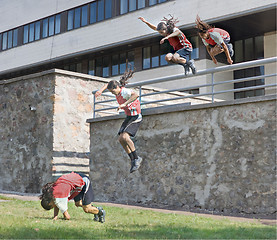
{"points": [[212, 92]]}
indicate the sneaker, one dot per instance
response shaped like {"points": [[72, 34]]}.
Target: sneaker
{"points": [[186, 68], [192, 66], [101, 215], [135, 164], [96, 218]]}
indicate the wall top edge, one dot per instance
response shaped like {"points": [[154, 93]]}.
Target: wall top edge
{"points": [[185, 107]]}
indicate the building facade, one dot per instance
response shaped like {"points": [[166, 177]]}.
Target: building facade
{"points": [[96, 37]]}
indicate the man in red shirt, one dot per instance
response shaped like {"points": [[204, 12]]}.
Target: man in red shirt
{"points": [[216, 40], [128, 101], [70, 186], [177, 40]]}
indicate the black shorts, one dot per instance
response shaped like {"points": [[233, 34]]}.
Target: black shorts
{"points": [[131, 125], [184, 53], [86, 195]]}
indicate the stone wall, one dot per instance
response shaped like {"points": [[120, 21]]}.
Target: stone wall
{"points": [[26, 132], [218, 157]]}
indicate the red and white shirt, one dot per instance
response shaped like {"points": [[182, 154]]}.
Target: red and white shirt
{"points": [[67, 187], [133, 108], [216, 36], [180, 41]]}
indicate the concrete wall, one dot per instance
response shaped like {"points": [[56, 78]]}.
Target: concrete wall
{"points": [[219, 157]]}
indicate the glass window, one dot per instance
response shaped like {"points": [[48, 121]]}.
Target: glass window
{"points": [[51, 26], [4, 41], [84, 15], [105, 65], [10, 39], [161, 1], [122, 63], [155, 56], [123, 6], [91, 67], [77, 18], [98, 67], [249, 49], [79, 67], [93, 12], [100, 11], [108, 9], [238, 51], [131, 59], [31, 32], [45, 28], [146, 57], [15, 35], [164, 49], [115, 62], [25, 34], [195, 43], [72, 67], [259, 47], [152, 2], [132, 5], [70, 20], [141, 4], [37, 30], [58, 24]]}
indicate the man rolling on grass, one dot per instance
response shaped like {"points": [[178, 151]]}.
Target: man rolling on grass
{"points": [[70, 186]]}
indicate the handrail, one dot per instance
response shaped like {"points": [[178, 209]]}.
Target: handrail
{"points": [[211, 71]]}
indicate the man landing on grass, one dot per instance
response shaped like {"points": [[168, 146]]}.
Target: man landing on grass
{"points": [[70, 186]]}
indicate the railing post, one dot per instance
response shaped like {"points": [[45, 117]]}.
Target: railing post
{"points": [[94, 105], [212, 87], [140, 94]]}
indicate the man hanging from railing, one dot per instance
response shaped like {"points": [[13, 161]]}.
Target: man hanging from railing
{"points": [[128, 101], [216, 40]]}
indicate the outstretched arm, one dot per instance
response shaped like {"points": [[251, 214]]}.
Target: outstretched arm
{"points": [[148, 23], [99, 92]]}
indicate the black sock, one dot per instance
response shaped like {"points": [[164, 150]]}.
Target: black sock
{"points": [[135, 154], [131, 156]]}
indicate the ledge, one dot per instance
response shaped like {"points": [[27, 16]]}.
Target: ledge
{"points": [[186, 107]]}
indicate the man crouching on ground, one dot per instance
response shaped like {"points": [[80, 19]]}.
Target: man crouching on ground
{"points": [[78, 186]]}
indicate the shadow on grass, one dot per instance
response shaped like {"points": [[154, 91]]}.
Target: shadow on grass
{"points": [[104, 231]]}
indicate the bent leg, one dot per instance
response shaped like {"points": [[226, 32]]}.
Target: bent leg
{"points": [[126, 142], [90, 209], [216, 50]]}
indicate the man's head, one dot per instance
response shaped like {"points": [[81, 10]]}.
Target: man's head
{"points": [[47, 196], [113, 87]]}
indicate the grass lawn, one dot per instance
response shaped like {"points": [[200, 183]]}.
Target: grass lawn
{"points": [[27, 220]]}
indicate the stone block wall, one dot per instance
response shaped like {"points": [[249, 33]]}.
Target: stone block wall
{"points": [[218, 157]]}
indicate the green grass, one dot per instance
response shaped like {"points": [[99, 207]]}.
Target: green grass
{"points": [[27, 220]]}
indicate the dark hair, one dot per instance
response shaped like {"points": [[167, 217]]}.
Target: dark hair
{"points": [[202, 26], [123, 79], [167, 24], [47, 195]]}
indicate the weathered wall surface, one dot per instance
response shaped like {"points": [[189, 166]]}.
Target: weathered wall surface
{"points": [[218, 158], [26, 136]]}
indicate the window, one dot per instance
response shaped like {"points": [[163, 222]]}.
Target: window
{"points": [[31, 32], [122, 63], [105, 65], [84, 15], [26, 34], [51, 26], [70, 18], [100, 10], [195, 44], [45, 28], [152, 2], [10, 39], [37, 31], [4, 41], [155, 56], [108, 9], [15, 37], [77, 18], [132, 5], [91, 67], [146, 57], [93, 12], [123, 6], [247, 50], [115, 61], [141, 4], [58, 24]]}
